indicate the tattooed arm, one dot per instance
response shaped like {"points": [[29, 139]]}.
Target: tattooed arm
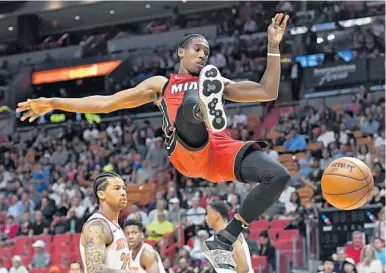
{"points": [[96, 235], [149, 261]]}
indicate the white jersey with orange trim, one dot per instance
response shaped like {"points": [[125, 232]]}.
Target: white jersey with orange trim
{"points": [[247, 253], [135, 265], [117, 252]]}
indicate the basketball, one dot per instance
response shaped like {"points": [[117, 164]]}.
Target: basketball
{"points": [[347, 183]]}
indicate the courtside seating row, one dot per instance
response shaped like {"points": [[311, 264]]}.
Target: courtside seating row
{"points": [[288, 242], [63, 248]]}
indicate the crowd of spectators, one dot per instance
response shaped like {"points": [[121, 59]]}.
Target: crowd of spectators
{"points": [[45, 175]]}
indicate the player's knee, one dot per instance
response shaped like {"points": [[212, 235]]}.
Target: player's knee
{"points": [[281, 176]]}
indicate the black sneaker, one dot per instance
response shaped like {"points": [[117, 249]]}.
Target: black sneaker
{"points": [[211, 94], [219, 254]]}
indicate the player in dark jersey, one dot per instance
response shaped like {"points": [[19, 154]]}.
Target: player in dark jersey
{"points": [[194, 123]]}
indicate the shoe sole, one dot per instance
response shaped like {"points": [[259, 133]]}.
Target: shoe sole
{"points": [[211, 92], [205, 251]]}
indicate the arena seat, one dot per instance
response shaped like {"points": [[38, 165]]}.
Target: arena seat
{"points": [[61, 240], [313, 146], [61, 258], [279, 223], [289, 234], [272, 233], [75, 238], [255, 233], [23, 246], [260, 264], [46, 238], [259, 224]]}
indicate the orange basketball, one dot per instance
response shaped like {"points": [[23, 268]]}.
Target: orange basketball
{"points": [[347, 183]]}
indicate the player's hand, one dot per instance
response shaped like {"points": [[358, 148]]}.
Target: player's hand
{"points": [[277, 28], [34, 108]]}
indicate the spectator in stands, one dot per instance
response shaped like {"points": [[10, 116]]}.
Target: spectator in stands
{"points": [[326, 159], [354, 251], [41, 259], [38, 226], [294, 141], [3, 269], [326, 136], [184, 267], [370, 126], [292, 207], [158, 155], [364, 154], [266, 249], [380, 225], [3, 203], [167, 265], [379, 246], [379, 174], [9, 230], [60, 224], [160, 208], [176, 213], [271, 152], [239, 119], [138, 214], [339, 260], [17, 266], [13, 208], [252, 244], [328, 266], [195, 244], [195, 215], [369, 262], [313, 181], [349, 266], [218, 59], [306, 163], [75, 267], [350, 121], [159, 228], [379, 140]]}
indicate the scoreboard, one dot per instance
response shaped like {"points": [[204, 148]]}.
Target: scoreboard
{"points": [[335, 226]]}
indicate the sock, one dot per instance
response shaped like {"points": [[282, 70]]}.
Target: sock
{"points": [[234, 227]]}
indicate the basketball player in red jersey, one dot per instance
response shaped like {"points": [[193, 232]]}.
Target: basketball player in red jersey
{"points": [[194, 123]]}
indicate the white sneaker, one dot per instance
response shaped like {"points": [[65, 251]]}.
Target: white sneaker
{"points": [[211, 94]]}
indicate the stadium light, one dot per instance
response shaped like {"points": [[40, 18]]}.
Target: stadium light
{"points": [[331, 37], [320, 40]]}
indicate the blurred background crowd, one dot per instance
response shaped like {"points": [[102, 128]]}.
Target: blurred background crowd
{"points": [[46, 170]]}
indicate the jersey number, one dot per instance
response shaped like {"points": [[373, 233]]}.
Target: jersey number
{"points": [[125, 258]]}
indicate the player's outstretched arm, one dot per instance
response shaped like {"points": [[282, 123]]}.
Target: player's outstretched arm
{"points": [[268, 88], [149, 261], [145, 92], [240, 258], [95, 235]]}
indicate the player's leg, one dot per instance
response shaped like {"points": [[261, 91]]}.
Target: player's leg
{"points": [[205, 107], [255, 167], [258, 167], [189, 124]]}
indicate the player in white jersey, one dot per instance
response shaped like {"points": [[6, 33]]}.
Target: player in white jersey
{"points": [[103, 245], [217, 219], [144, 259]]}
